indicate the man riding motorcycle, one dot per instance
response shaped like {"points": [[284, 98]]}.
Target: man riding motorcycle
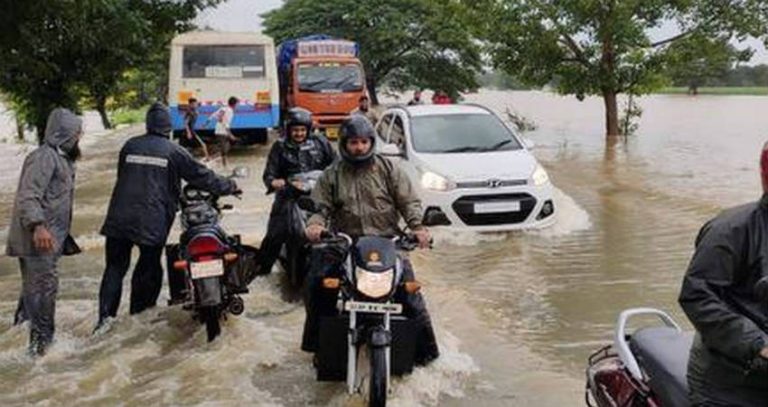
{"points": [[299, 151], [728, 363], [364, 194]]}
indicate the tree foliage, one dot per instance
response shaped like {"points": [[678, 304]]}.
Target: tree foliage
{"points": [[403, 43], [604, 47], [696, 60], [58, 53]]}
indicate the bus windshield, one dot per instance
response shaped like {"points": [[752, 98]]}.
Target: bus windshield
{"points": [[223, 61]]}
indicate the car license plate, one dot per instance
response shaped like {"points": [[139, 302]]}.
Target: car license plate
{"points": [[205, 269], [373, 307], [497, 207], [332, 133]]}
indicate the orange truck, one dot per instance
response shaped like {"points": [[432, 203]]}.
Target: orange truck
{"points": [[323, 75]]}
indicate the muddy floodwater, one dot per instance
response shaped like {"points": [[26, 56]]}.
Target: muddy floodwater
{"points": [[516, 314]]}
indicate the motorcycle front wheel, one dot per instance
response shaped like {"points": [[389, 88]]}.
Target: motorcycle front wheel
{"points": [[377, 395]]}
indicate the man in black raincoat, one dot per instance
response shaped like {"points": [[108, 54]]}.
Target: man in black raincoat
{"points": [[41, 221], [298, 151], [724, 296], [142, 210]]}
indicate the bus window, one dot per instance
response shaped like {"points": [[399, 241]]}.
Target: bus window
{"points": [[223, 61]]}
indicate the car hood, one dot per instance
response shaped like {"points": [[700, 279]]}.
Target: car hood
{"points": [[502, 165]]}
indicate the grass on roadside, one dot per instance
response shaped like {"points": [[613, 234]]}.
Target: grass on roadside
{"points": [[724, 90], [128, 116]]}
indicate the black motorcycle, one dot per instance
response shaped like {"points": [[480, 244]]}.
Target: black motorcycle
{"points": [[294, 254], [378, 339], [208, 270]]}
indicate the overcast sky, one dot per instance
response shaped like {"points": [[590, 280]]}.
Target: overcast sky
{"points": [[243, 15]]}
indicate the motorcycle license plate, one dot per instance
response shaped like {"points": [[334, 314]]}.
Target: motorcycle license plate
{"points": [[373, 307], [203, 269], [497, 207]]}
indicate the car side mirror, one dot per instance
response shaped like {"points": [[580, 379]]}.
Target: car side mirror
{"points": [[390, 150], [240, 172], [306, 203]]}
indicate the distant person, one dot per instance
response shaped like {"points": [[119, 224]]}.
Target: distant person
{"points": [[223, 131], [441, 98], [416, 100], [721, 295], [364, 108], [41, 222], [142, 209], [190, 118]]}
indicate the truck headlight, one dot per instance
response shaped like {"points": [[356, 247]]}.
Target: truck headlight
{"points": [[430, 180], [540, 176]]}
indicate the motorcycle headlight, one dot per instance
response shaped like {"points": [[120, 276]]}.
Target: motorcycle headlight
{"points": [[540, 176], [430, 180], [374, 285]]}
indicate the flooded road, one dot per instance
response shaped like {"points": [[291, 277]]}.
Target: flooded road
{"points": [[516, 314]]}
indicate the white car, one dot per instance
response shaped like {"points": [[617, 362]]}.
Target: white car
{"points": [[470, 169]]}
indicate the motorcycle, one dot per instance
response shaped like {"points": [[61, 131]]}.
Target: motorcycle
{"points": [[379, 340], [648, 367], [644, 368], [294, 254], [208, 269]]}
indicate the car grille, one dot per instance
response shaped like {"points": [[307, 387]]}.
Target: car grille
{"points": [[465, 209], [491, 183]]}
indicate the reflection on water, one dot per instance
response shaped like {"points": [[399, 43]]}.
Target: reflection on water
{"points": [[516, 314]]}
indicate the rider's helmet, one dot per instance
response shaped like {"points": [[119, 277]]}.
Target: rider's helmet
{"points": [[298, 116], [356, 125]]}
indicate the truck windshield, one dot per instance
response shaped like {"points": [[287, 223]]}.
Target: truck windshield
{"points": [[223, 61], [330, 77]]}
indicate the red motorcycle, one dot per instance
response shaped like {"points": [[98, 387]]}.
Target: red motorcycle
{"points": [[644, 368]]}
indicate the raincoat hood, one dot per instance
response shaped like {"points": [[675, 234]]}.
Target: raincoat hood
{"points": [[159, 120], [62, 128]]}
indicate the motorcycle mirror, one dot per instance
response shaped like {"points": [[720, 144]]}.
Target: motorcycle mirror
{"points": [[435, 217], [240, 172], [307, 204]]}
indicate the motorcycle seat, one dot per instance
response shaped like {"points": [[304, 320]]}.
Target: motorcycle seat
{"points": [[662, 352]]}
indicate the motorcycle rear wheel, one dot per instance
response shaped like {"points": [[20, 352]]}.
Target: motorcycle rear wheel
{"points": [[210, 316]]}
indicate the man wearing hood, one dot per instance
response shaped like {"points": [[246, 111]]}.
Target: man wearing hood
{"points": [[724, 295], [143, 207], [41, 221]]}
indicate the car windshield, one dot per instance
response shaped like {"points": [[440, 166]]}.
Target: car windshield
{"points": [[330, 77], [461, 133]]}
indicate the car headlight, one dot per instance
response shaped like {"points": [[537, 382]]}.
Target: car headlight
{"points": [[374, 285], [430, 180], [540, 176]]}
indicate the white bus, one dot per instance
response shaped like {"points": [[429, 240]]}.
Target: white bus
{"points": [[213, 66]]}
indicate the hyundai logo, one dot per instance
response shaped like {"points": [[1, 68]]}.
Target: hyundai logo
{"points": [[494, 183]]}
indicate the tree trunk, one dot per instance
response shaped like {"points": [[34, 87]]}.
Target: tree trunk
{"points": [[611, 113], [370, 82], [19, 127], [101, 107]]}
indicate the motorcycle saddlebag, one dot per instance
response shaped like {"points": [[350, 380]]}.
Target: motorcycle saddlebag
{"points": [[332, 351], [244, 268]]}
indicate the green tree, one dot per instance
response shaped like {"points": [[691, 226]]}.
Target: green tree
{"points": [[602, 47], [56, 53], [403, 43], [698, 61]]}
